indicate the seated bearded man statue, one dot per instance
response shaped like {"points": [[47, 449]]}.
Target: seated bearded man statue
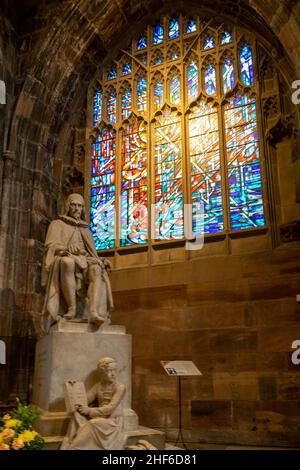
{"points": [[73, 270]]}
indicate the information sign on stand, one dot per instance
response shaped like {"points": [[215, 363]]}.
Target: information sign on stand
{"points": [[180, 369]]}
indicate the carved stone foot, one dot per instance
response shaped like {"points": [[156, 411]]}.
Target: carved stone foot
{"points": [[70, 314], [96, 319]]}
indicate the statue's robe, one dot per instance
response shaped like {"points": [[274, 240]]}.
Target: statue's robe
{"points": [[106, 430], [64, 232]]}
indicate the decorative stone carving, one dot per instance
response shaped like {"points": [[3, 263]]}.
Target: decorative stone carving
{"points": [[271, 106], [290, 232], [284, 127], [72, 178], [72, 270], [79, 154], [100, 427]]}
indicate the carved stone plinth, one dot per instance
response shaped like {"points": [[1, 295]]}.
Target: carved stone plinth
{"points": [[71, 352]]}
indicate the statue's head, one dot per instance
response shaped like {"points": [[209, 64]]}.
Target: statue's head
{"points": [[75, 206], [107, 368]]}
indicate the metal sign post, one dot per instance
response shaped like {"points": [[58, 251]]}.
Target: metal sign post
{"points": [[180, 369]]}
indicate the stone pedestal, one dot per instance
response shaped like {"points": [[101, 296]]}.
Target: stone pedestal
{"points": [[71, 351]]}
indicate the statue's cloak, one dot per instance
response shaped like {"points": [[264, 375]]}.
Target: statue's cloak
{"points": [[60, 235]]}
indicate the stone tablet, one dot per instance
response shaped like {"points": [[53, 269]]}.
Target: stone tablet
{"points": [[75, 395]]}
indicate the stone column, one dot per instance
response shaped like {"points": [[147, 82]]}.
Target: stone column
{"points": [[9, 164]]}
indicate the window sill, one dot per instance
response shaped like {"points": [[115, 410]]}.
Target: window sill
{"points": [[166, 244]]}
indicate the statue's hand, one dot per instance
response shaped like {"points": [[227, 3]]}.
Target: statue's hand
{"points": [[74, 249], [105, 410], [107, 264], [84, 410], [93, 413]]}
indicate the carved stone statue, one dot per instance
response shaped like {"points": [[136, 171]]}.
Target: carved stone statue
{"points": [[101, 426], [72, 270]]}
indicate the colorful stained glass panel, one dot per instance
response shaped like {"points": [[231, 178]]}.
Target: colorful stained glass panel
{"points": [[158, 59], [244, 174], [158, 34], [112, 73], [142, 95], [126, 69], [237, 114], [246, 60], [174, 55], [191, 27], [126, 103], [134, 212], [245, 193], [209, 43], [142, 42], [168, 179], [207, 191], [210, 80], [175, 90], [205, 162], [158, 94], [226, 38], [98, 101], [243, 154], [228, 76], [205, 168], [173, 28], [192, 81], [102, 222], [112, 107]]}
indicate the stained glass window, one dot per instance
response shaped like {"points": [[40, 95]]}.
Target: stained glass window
{"points": [[150, 104], [97, 107], [175, 90], [205, 168], [244, 172], [134, 212], [168, 179], [112, 107], [246, 61], [173, 28], [158, 59], [210, 80], [142, 42], [126, 69], [174, 55], [158, 35], [142, 95], [228, 76], [126, 103], [209, 43], [103, 189], [226, 38], [158, 94], [112, 73], [191, 27], [192, 81]]}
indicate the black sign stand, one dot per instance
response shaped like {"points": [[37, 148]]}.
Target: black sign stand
{"points": [[180, 438], [180, 369]]}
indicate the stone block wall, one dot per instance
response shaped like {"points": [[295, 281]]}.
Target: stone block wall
{"points": [[237, 325]]}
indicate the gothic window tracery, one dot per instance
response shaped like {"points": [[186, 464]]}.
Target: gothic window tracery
{"points": [[176, 122]]}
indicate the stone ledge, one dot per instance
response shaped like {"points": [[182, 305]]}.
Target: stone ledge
{"points": [[155, 437], [83, 326]]}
